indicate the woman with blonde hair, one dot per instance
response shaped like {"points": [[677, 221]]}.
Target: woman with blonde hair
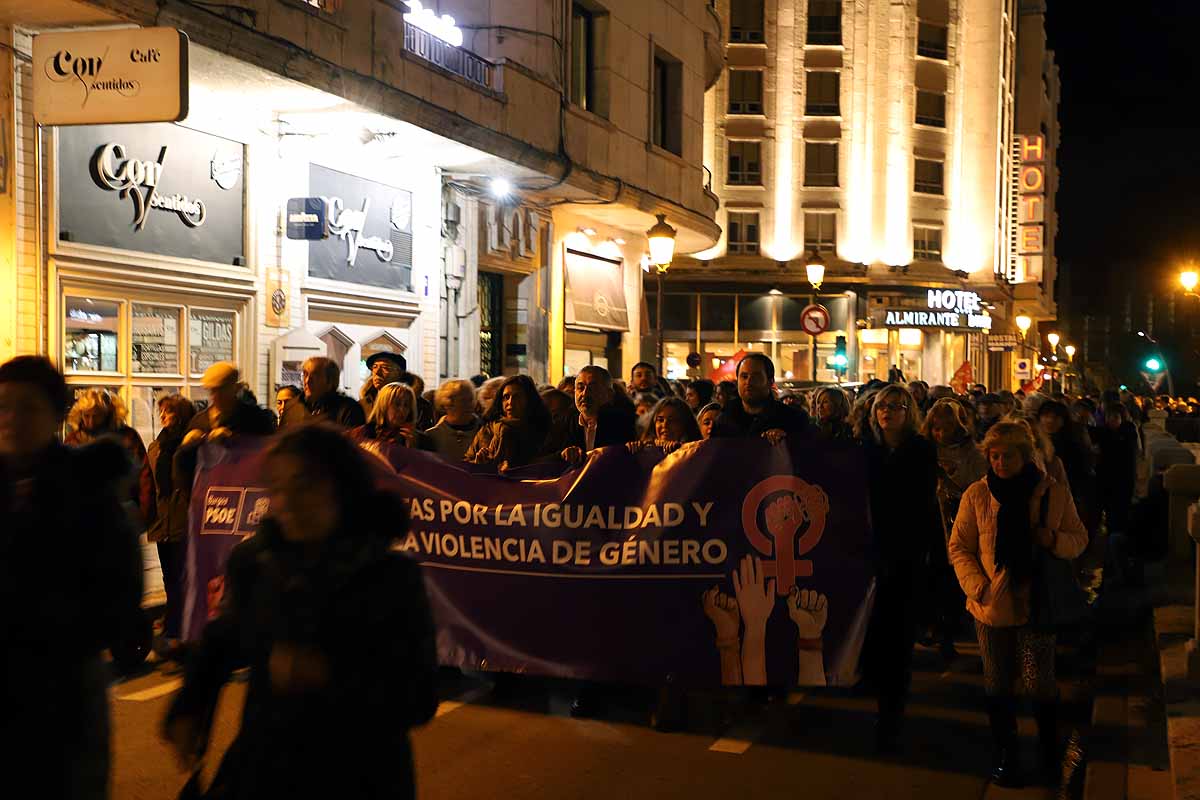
{"points": [[832, 412], [392, 421], [1004, 521], [100, 414], [457, 424], [906, 523]]}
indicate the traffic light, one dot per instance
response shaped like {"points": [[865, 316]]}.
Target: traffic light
{"points": [[839, 360], [1154, 364]]}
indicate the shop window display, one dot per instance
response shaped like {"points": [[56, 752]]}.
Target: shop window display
{"points": [[91, 341]]}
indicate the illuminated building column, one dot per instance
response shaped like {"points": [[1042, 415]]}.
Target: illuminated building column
{"points": [[857, 245], [785, 245], [897, 243]]}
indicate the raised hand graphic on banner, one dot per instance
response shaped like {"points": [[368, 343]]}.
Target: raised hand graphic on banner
{"points": [[755, 598], [809, 610], [722, 610]]}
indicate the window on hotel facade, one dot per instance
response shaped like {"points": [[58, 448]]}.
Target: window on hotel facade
{"points": [[929, 176], [824, 22], [927, 243], [743, 233], [931, 40], [821, 95], [667, 125], [931, 108], [746, 21], [820, 231], [745, 164], [745, 91], [820, 164], [583, 57]]}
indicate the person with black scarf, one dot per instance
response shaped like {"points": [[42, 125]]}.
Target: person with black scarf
{"points": [[1002, 520]]}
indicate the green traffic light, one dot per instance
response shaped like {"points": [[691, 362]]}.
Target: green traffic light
{"points": [[1153, 364]]}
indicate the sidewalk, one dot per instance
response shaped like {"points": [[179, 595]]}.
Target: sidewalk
{"points": [[1173, 627]]}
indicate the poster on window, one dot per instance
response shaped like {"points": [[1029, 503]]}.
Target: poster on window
{"points": [[210, 338]]}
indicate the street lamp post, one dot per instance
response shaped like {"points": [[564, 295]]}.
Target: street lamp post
{"points": [[814, 268], [1070, 351], [661, 239], [1053, 339]]}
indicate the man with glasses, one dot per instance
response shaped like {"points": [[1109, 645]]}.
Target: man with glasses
{"points": [[757, 411]]}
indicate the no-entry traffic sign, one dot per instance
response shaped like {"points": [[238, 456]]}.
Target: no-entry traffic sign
{"points": [[814, 320]]}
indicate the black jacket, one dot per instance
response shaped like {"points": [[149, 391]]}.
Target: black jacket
{"points": [[906, 520], [736, 422], [616, 424], [364, 610], [70, 586], [165, 510], [337, 408]]}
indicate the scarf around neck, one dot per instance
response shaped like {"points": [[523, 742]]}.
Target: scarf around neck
{"points": [[1014, 528]]}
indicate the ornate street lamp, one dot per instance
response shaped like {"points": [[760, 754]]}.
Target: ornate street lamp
{"points": [[661, 239], [1053, 339], [815, 269], [1070, 349], [1023, 323]]}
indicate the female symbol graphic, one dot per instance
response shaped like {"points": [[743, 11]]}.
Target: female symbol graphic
{"points": [[785, 517]]}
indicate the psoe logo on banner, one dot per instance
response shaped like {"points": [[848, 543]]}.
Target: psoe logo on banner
{"points": [[233, 511], [85, 77], [794, 513]]}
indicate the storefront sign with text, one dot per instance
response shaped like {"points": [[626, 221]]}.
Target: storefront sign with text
{"points": [[85, 77]]}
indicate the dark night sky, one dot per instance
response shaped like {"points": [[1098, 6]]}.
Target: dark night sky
{"points": [[1129, 162]]}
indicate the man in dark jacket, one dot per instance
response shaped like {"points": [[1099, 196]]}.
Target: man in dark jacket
{"points": [[325, 403], [602, 420], [757, 412], [53, 695]]}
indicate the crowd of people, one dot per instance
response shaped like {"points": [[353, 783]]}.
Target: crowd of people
{"points": [[968, 492]]}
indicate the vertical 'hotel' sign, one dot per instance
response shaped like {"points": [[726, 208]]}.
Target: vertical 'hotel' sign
{"points": [[1031, 209]]}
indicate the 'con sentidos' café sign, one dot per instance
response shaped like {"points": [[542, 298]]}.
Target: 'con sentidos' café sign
{"points": [[88, 77], [945, 308]]}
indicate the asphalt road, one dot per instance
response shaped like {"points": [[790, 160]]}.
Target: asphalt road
{"points": [[817, 745]]}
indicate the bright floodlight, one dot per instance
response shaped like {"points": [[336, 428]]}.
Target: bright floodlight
{"points": [[500, 188], [1189, 278]]}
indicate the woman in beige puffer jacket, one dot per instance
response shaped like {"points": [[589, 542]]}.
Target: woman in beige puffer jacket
{"points": [[992, 549]]}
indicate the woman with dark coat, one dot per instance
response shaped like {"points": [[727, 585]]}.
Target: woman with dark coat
{"points": [[831, 407], [1073, 446], [63, 502], [336, 631], [515, 426], [907, 525], [166, 511]]}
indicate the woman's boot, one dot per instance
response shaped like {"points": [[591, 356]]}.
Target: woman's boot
{"points": [[1002, 716]]}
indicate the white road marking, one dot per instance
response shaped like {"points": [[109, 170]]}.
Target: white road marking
{"points": [[153, 692], [447, 707], [466, 698], [729, 745]]}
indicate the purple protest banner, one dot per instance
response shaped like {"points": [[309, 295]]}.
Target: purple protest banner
{"points": [[624, 569], [228, 502]]}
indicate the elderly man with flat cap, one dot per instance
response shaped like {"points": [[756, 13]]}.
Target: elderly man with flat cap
{"points": [[388, 367]]}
